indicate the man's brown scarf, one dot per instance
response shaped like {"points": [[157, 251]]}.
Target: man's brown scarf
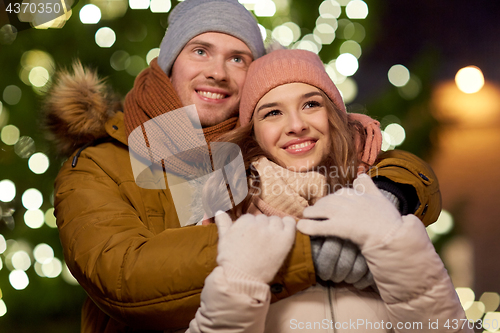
{"points": [[152, 96]]}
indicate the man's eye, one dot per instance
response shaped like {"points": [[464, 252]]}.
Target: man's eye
{"points": [[200, 52], [237, 59]]}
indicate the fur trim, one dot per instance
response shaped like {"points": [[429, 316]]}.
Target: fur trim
{"points": [[77, 108]]}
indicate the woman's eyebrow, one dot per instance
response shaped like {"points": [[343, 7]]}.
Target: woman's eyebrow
{"points": [[312, 93], [268, 105]]}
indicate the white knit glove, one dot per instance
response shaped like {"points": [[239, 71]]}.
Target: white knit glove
{"points": [[255, 246], [361, 214]]}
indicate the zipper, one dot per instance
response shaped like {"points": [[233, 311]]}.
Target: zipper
{"points": [[330, 301]]}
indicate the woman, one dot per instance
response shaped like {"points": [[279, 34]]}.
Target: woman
{"points": [[301, 146]]}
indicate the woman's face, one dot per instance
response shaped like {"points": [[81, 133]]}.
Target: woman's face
{"points": [[291, 124]]}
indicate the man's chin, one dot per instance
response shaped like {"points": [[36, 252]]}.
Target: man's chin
{"points": [[212, 119]]}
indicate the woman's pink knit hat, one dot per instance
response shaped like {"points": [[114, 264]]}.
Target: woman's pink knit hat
{"points": [[288, 66], [281, 67]]}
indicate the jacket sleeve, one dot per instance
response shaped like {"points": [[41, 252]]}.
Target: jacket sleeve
{"points": [[413, 282], [401, 172], [144, 279], [230, 305]]}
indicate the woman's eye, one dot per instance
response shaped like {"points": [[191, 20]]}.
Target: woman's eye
{"points": [[272, 113], [312, 104]]}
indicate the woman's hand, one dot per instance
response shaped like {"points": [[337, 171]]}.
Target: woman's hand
{"points": [[254, 245], [361, 214]]}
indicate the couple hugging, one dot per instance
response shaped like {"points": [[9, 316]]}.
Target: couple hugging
{"points": [[359, 252]]}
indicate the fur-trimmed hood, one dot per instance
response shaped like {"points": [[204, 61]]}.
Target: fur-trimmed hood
{"points": [[77, 107]]}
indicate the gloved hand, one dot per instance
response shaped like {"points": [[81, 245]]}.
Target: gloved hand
{"points": [[339, 260], [361, 214], [254, 245]]}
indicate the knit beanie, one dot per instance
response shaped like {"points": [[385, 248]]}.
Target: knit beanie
{"points": [[191, 18], [282, 67]]}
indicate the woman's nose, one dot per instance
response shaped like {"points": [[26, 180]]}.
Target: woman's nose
{"points": [[296, 123]]}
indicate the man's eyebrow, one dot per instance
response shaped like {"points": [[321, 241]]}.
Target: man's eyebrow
{"points": [[200, 43]]}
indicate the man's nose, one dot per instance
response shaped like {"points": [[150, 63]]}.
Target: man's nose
{"points": [[217, 70]]}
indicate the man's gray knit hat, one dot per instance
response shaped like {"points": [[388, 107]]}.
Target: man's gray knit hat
{"points": [[193, 17]]}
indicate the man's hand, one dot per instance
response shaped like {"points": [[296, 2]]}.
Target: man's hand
{"points": [[340, 260], [254, 245], [361, 214]]}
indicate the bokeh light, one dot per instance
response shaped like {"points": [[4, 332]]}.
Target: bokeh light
{"points": [[68, 277], [469, 79], [139, 4], [283, 34], [444, 223], [494, 319], [411, 89], [10, 135], [52, 268], [34, 218], [111, 10], [475, 311], [38, 76], [105, 37], [325, 32], [90, 14], [398, 75], [38, 163], [386, 142], [43, 253], [50, 219], [153, 53], [160, 6], [349, 90], [12, 94], [18, 279], [466, 296], [8, 34], [21, 261], [32, 199], [45, 68], [347, 64], [396, 133], [263, 31], [265, 8], [7, 193], [3, 244], [333, 73], [3, 308], [330, 9], [120, 60], [137, 64], [491, 301], [351, 47], [356, 9]]}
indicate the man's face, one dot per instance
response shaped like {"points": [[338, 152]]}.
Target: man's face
{"points": [[210, 72]]}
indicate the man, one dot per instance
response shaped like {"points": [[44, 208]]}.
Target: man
{"points": [[124, 243]]}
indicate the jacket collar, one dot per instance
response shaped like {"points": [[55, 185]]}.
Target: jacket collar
{"points": [[115, 127]]}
